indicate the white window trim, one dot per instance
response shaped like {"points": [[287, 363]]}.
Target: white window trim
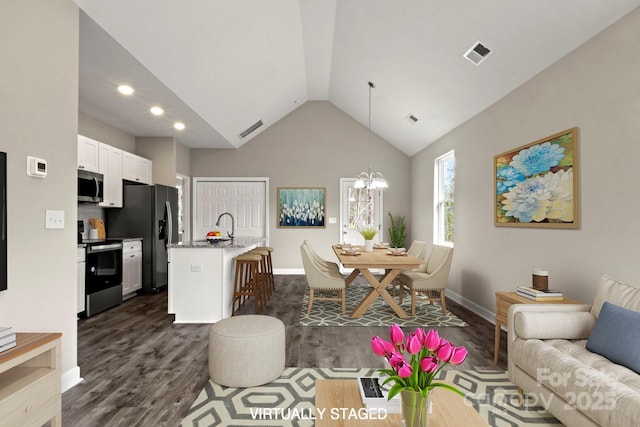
{"points": [[437, 189]]}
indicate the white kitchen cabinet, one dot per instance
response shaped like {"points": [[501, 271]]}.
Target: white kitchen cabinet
{"points": [[136, 168], [81, 274], [131, 266], [110, 160], [88, 154]]}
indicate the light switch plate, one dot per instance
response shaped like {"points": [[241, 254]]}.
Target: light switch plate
{"points": [[54, 219], [333, 220]]}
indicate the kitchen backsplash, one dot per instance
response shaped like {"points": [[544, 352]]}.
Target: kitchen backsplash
{"points": [[86, 211]]}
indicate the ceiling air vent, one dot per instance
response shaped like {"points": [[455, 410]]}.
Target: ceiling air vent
{"points": [[478, 53], [412, 119], [251, 129]]}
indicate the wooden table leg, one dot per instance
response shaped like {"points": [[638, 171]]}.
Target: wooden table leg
{"points": [[496, 350], [379, 289], [352, 276]]}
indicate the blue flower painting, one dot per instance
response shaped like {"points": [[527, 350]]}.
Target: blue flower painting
{"points": [[301, 207], [535, 185]]}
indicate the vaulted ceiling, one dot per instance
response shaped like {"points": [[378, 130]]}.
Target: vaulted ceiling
{"points": [[221, 66]]}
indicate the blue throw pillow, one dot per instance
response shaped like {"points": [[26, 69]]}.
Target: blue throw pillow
{"points": [[616, 336]]}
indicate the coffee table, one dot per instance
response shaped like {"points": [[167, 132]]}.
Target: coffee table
{"points": [[449, 409]]}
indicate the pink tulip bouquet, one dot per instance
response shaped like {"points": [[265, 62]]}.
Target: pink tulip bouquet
{"points": [[429, 354]]}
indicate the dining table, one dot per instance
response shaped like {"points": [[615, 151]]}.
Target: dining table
{"points": [[364, 262]]}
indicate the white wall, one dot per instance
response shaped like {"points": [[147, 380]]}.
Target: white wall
{"points": [[594, 88], [39, 114], [313, 146]]}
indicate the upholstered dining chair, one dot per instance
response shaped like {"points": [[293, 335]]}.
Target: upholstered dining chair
{"points": [[328, 265], [429, 281], [322, 278], [417, 249]]}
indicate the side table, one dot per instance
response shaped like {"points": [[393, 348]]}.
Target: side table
{"points": [[30, 392], [503, 302]]}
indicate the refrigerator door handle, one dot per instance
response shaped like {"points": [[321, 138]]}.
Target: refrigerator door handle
{"points": [[169, 227]]}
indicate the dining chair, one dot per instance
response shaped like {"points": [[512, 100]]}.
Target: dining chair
{"points": [[429, 281], [417, 249], [328, 265], [322, 279]]}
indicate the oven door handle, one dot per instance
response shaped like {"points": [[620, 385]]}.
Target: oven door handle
{"points": [[103, 248]]}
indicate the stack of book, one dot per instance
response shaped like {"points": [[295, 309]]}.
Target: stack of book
{"points": [[7, 338], [540, 295], [374, 395]]}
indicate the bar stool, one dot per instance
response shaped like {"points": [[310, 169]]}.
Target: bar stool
{"points": [[263, 270], [272, 282], [246, 282]]}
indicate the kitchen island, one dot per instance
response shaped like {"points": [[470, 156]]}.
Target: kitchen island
{"points": [[201, 278]]}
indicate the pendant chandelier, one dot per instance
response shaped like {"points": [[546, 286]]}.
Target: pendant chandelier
{"points": [[370, 179]]}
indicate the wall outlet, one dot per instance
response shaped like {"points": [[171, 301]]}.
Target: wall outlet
{"points": [[54, 219], [196, 268]]}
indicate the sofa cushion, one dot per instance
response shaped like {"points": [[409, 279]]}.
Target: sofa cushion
{"points": [[571, 325], [617, 293], [606, 392], [616, 336]]}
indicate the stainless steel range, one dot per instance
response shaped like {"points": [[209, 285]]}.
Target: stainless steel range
{"points": [[103, 275]]}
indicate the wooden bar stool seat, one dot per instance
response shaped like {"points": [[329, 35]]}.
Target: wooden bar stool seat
{"points": [[246, 283]]}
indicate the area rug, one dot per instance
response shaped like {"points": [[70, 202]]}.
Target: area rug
{"points": [[290, 399], [329, 313]]}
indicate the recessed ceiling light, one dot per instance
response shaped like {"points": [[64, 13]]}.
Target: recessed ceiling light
{"points": [[178, 125], [125, 89], [156, 111]]}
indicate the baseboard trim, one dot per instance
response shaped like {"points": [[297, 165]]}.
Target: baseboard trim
{"points": [[70, 378], [487, 315]]}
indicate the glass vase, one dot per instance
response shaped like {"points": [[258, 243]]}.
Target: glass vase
{"points": [[415, 408]]}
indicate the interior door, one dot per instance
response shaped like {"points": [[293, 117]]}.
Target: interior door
{"points": [[360, 208]]}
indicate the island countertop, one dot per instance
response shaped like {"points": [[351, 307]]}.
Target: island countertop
{"points": [[236, 242]]}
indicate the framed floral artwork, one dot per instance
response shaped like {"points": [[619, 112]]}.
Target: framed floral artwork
{"points": [[536, 185], [301, 207]]}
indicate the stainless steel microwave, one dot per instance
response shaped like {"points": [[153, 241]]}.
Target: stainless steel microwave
{"points": [[90, 187]]}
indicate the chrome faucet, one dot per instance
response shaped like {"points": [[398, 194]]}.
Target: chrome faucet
{"points": [[233, 228]]}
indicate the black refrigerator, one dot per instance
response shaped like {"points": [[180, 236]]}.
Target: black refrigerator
{"points": [[149, 212]]}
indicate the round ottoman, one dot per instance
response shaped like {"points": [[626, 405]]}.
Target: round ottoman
{"points": [[246, 351]]}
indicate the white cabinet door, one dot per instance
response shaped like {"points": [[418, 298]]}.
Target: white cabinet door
{"points": [[81, 275], [88, 154], [129, 166], [136, 168], [111, 168], [131, 266]]}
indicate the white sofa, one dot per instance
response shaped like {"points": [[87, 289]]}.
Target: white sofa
{"points": [[549, 360]]}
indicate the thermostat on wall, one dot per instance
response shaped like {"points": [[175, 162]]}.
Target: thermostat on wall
{"points": [[36, 167]]}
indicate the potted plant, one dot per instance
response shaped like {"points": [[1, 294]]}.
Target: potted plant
{"points": [[397, 231], [414, 379], [368, 233]]}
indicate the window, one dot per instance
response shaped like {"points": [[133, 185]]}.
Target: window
{"points": [[444, 179]]}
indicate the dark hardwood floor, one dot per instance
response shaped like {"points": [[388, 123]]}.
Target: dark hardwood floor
{"points": [[140, 369]]}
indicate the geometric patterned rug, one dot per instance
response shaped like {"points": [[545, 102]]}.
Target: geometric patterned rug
{"points": [[329, 313], [291, 399]]}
